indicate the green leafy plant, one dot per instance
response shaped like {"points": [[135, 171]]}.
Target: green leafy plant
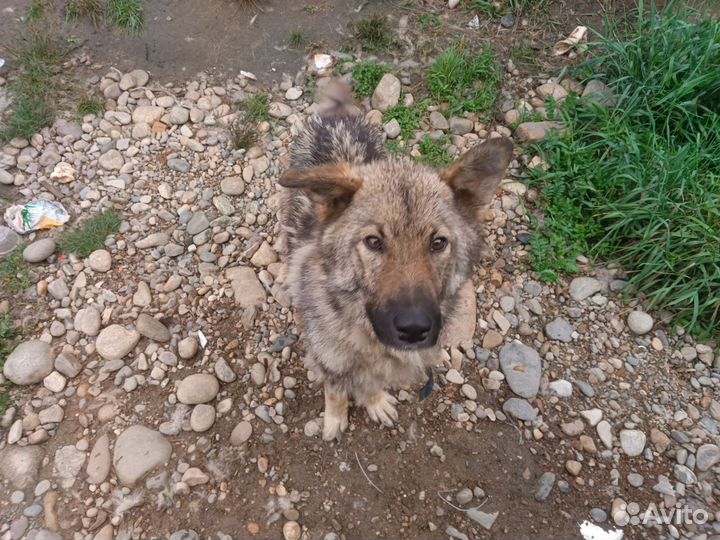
{"points": [[91, 236], [74, 9], [367, 75], [14, 273], [465, 81], [255, 107], [434, 153], [639, 183], [127, 15], [409, 118], [373, 33]]}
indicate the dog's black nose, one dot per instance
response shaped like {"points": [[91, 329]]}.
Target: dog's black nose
{"points": [[412, 326]]}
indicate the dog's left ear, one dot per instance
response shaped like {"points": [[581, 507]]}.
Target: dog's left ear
{"points": [[331, 187], [475, 176]]}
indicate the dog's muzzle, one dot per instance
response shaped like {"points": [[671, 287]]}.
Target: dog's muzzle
{"points": [[407, 323]]}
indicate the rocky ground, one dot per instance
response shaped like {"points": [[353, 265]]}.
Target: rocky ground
{"points": [[160, 391]]}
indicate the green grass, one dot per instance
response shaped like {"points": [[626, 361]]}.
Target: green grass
{"points": [[397, 147], [127, 15], [429, 22], [465, 80], [38, 55], [434, 153], [91, 236], [523, 54], [14, 274], [486, 8], [639, 185], [367, 75], [296, 38], [373, 33], [409, 118], [256, 107], [74, 9], [8, 338], [89, 105]]}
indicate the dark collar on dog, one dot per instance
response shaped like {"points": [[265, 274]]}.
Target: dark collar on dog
{"points": [[428, 388]]}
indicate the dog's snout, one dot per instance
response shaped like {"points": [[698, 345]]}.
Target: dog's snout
{"points": [[412, 326], [408, 321]]}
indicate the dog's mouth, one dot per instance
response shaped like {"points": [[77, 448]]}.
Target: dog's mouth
{"points": [[406, 326]]}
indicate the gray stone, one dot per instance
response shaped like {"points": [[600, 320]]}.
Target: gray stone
{"points": [[58, 288], [561, 388], [438, 121], [639, 322], [197, 388], [520, 409], [536, 131], [241, 433], [151, 328], [147, 114], [184, 535], [19, 465], [198, 223], [115, 341], [153, 240], [98, 466], [202, 417], [179, 115], [178, 164], [522, 369], [29, 363], [138, 450], [247, 288], [584, 287], [232, 185], [460, 126], [684, 474], [68, 462], [100, 260], [88, 321], [707, 456], [223, 371], [39, 250], [598, 515], [632, 441], [635, 480], [392, 129], [485, 519], [598, 92], [111, 160], [387, 93], [559, 330], [545, 485]]}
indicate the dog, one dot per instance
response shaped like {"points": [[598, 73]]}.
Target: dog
{"points": [[378, 247]]}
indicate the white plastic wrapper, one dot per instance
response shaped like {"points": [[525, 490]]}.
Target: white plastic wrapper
{"points": [[36, 215]]}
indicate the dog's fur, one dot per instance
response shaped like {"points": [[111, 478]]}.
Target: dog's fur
{"points": [[344, 188]]}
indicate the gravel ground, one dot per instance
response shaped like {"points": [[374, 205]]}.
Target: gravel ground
{"points": [[160, 390]]}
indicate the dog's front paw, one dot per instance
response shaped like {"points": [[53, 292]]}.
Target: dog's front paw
{"points": [[381, 408], [333, 425]]}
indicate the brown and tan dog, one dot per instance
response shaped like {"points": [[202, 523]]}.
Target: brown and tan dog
{"points": [[378, 248]]}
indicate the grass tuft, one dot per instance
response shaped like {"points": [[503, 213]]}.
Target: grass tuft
{"points": [[373, 33], [92, 9], [255, 107], [91, 236], [14, 273], [296, 38], [639, 184], [89, 105], [466, 81], [434, 153], [127, 15], [39, 57], [367, 75], [409, 118]]}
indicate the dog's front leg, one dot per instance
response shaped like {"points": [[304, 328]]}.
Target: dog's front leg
{"points": [[381, 408], [336, 412]]}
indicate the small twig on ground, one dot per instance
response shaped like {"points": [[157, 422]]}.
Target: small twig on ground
{"points": [[451, 505], [366, 476]]}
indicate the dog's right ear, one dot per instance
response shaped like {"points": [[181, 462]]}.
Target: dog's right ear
{"points": [[331, 187]]}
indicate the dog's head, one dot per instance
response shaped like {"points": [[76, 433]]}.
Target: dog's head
{"points": [[401, 236]]}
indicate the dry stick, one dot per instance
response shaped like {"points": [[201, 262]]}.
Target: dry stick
{"points": [[451, 505], [366, 476]]}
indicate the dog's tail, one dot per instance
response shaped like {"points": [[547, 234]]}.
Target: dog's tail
{"points": [[335, 97]]}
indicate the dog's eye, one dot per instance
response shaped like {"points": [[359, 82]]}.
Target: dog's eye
{"points": [[374, 243], [438, 244]]}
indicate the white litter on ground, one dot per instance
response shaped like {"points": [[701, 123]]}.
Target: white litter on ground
{"points": [[593, 532]]}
